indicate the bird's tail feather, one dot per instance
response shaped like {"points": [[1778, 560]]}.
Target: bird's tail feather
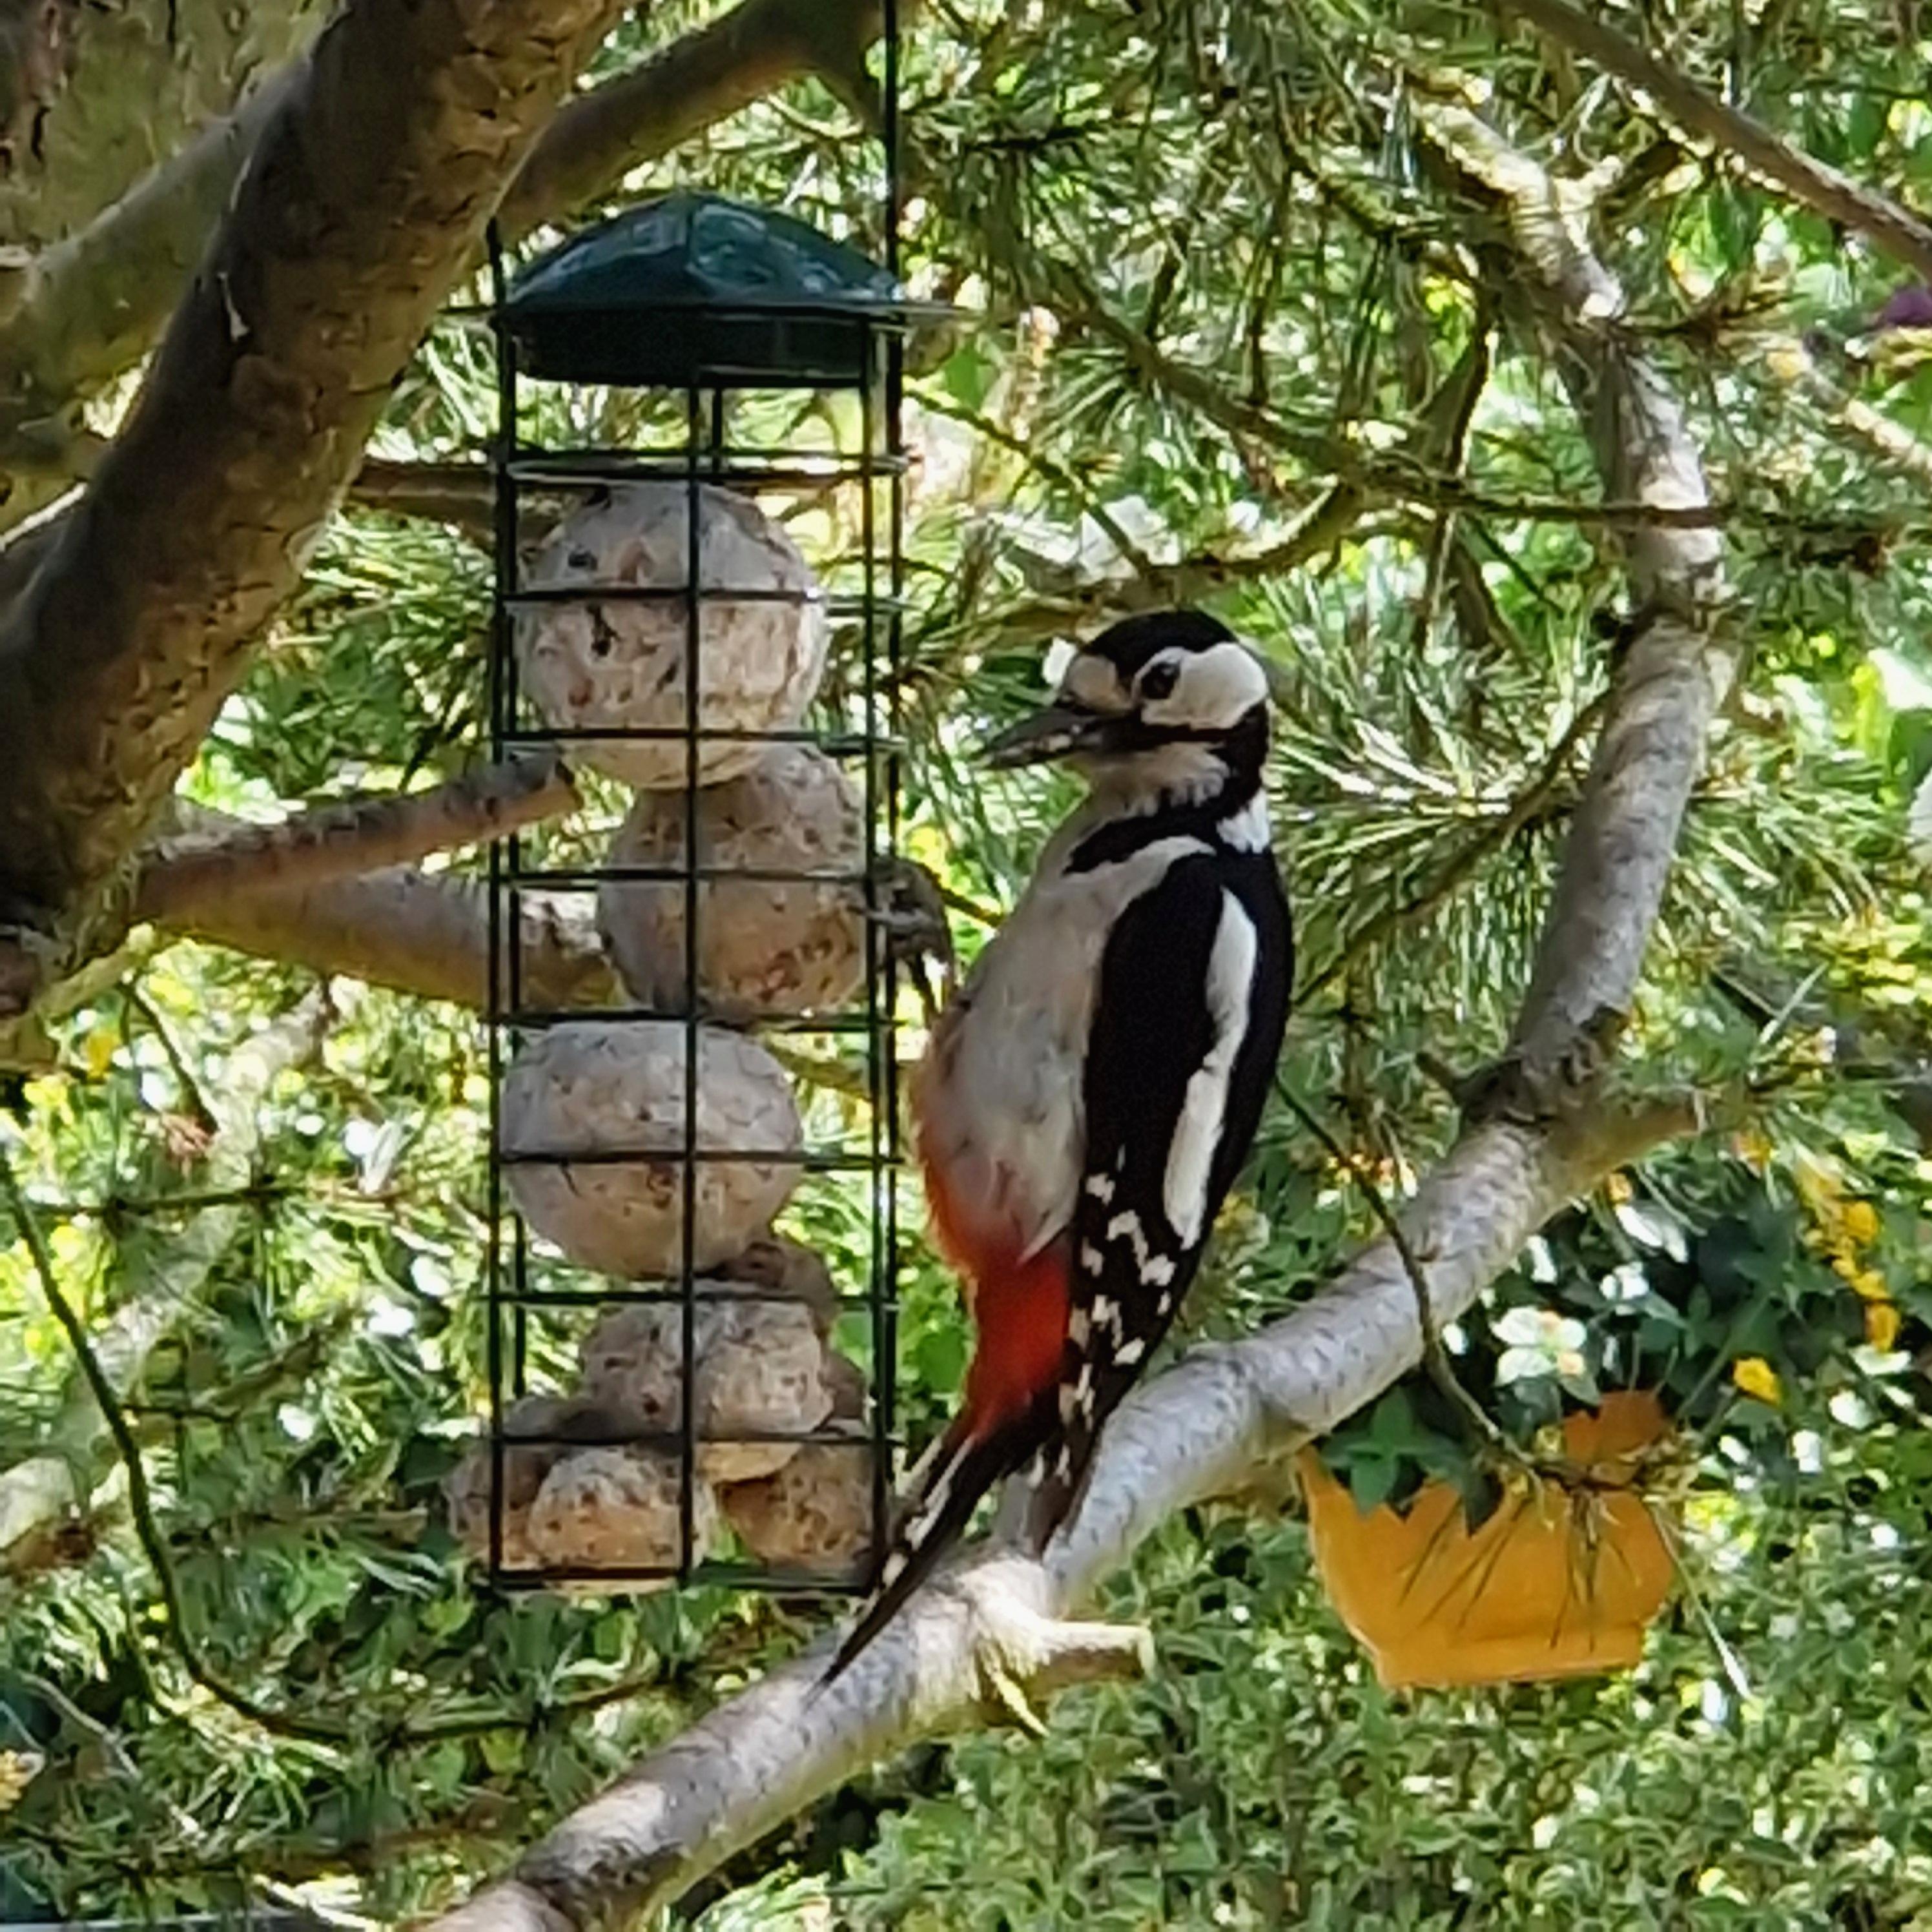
{"points": [[968, 1460]]}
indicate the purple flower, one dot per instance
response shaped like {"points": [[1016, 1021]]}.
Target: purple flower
{"points": [[1905, 308]]}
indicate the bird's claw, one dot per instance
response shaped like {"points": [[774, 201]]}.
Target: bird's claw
{"points": [[1002, 1690], [909, 913]]}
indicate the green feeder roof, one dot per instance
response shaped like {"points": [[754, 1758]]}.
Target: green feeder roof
{"points": [[693, 289]]}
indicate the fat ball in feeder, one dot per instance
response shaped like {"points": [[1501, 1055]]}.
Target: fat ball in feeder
{"points": [[765, 945], [620, 1508], [465, 1488], [793, 1272], [760, 1371], [583, 1092], [706, 301], [816, 1512], [567, 1424], [621, 663]]}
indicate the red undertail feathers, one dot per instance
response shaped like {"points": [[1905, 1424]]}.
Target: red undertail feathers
{"points": [[1019, 1308]]}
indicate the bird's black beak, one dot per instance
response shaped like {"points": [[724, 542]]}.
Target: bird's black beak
{"points": [[1061, 730]]}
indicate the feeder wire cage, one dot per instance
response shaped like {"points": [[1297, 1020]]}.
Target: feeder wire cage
{"points": [[702, 311]]}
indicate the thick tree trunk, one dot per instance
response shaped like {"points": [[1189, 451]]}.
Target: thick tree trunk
{"points": [[143, 81], [365, 200]]}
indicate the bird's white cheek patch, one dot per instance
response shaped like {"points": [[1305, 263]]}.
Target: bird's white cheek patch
{"points": [[1190, 1156], [1216, 689]]}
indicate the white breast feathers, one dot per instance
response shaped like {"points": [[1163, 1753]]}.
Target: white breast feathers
{"points": [[997, 1097]]}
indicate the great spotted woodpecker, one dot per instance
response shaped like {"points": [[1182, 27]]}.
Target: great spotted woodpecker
{"points": [[1089, 1094]]}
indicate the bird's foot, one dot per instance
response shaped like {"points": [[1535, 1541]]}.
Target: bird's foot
{"points": [[1019, 1652], [910, 914]]}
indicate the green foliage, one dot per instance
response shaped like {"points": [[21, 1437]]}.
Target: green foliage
{"points": [[1263, 1778], [1212, 270]]}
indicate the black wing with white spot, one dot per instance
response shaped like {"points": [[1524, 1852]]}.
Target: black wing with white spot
{"points": [[1187, 1025]]}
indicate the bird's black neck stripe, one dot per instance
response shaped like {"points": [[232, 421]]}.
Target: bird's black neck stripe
{"points": [[1243, 753], [1204, 819]]}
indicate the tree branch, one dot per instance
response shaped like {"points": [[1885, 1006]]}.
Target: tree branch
{"points": [[1793, 363], [1201, 1429], [221, 860], [91, 306], [1835, 196], [708, 76], [340, 907], [364, 200], [417, 932], [462, 495], [1675, 669]]}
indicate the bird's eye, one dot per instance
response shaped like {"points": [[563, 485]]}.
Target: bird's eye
{"points": [[1157, 681]]}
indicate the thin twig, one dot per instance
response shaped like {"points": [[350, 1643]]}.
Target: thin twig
{"points": [[154, 1547], [264, 1193], [184, 1821], [116, 1206], [1835, 196], [138, 1002], [1457, 869], [140, 1498], [1333, 516], [1435, 1359], [1048, 468], [979, 915]]}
